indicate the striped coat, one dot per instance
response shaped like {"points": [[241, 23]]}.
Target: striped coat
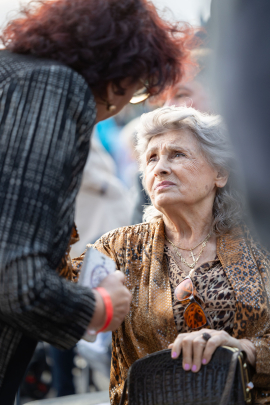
{"points": [[47, 113]]}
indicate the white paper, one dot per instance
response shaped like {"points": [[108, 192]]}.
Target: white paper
{"points": [[96, 266]]}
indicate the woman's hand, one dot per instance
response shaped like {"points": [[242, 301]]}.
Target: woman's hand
{"points": [[196, 351], [120, 297]]}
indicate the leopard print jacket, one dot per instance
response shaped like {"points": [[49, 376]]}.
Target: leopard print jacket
{"points": [[138, 252], [66, 269]]}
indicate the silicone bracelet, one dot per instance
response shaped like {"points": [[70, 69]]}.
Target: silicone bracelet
{"points": [[108, 307]]}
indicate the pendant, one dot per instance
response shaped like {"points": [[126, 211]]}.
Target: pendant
{"points": [[192, 255], [191, 266]]}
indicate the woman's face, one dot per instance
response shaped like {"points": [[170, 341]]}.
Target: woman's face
{"points": [[120, 101], [177, 172], [116, 100]]}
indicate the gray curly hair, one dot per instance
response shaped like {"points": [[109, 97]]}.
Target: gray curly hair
{"points": [[212, 137]]}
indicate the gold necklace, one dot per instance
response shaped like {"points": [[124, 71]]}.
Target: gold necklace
{"points": [[195, 261], [206, 238]]}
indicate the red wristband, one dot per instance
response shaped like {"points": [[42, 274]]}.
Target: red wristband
{"points": [[108, 307]]}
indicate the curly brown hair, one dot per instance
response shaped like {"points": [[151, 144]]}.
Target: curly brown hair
{"points": [[103, 40]]}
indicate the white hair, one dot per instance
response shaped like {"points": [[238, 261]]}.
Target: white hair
{"points": [[212, 137]]}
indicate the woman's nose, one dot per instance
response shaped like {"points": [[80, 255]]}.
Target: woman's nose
{"points": [[162, 168]]}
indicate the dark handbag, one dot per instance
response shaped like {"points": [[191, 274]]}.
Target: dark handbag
{"points": [[157, 379]]}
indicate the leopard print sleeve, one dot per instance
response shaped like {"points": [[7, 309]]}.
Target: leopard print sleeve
{"points": [[119, 371], [262, 340]]}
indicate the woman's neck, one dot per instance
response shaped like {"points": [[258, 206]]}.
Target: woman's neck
{"points": [[187, 227]]}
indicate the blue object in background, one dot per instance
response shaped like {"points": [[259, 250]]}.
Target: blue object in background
{"points": [[108, 134]]}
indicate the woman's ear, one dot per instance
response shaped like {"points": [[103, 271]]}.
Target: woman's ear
{"points": [[110, 93], [222, 178]]}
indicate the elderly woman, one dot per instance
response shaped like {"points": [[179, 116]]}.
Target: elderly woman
{"points": [[193, 241]]}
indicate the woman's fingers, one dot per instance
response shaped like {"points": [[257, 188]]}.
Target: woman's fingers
{"points": [[192, 348], [210, 347], [176, 347], [187, 344], [184, 343], [219, 338], [199, 345], [196, 351]]}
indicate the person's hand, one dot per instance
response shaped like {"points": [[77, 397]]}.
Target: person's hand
{"points": [[197, 352], [121, 298]]}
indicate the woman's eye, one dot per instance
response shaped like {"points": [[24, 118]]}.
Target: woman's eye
{"points": [[179, 154], [152, 158], [181, 95]]}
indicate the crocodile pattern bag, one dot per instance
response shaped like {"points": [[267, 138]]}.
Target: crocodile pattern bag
{"points": [[157, 379]]}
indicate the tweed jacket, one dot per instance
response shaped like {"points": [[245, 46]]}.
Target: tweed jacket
{"points": [[138, 252], [47, 113]]}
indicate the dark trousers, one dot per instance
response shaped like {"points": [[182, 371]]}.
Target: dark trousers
{"points": [[62, 371], [16, 370]]}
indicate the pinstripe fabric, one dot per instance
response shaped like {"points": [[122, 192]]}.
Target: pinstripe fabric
{"points": [[47, 113]]}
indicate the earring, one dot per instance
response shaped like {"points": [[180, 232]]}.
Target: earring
{"points": [[111, 107]]}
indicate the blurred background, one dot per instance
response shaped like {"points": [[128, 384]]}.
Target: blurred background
{"points": [[192, 10]]}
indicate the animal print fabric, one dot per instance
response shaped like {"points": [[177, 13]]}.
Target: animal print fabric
{"points": [[138, 252], [66, 268], [212, 290]]}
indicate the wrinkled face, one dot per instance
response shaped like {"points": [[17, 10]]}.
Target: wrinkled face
{"points": [[177, 172]]}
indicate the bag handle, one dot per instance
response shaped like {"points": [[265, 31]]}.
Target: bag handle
{"points": [[229, 380]]}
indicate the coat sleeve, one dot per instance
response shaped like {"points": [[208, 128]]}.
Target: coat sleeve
{"points": [[262, 340], [46, 118], [107, 245]]}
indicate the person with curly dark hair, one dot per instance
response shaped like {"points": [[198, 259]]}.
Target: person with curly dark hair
{"points": [[115, 46], [67, 64]]}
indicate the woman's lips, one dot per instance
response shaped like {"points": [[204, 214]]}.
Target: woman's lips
{"points": [[164, 184]]}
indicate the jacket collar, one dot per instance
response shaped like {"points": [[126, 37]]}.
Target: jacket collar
{"points": [[240, 266], [160, 299], [241, 269]]}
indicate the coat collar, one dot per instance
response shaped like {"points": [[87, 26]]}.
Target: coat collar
{"points": [[235, 254], [160, 299]]}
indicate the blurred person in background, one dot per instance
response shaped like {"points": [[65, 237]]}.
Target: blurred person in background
{"points": [[194, 88], [103, 202], [109, 133], [128, 135], [62, 365], [193, 267], [67, 64]]}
